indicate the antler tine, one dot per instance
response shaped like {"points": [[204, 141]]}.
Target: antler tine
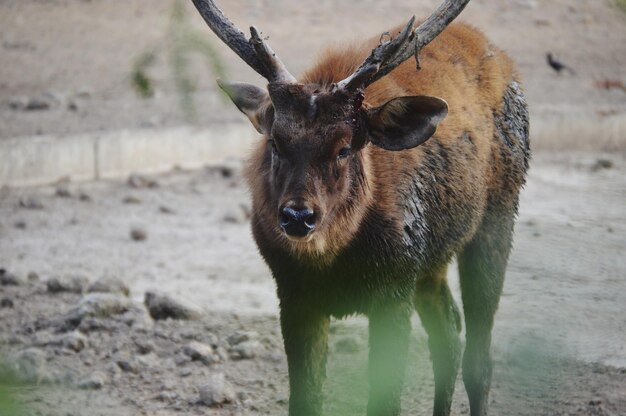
{"points": [[378, 57], [255, 52], [268, 58], [388, 56]]}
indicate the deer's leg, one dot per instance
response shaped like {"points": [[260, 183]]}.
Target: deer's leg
{"points": [[482, 266], [441, 319], [389, 332], [305, 336]]}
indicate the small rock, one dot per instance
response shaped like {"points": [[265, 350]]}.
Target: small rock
{"points": [[166, 210], [18, 103], [9, 279], [166, 396], [32, 277], [127, 365], [99, 305], [138, 234], [246, 350], [226, 171], [74, 341], [347, 345], [238, 337], [602, 164], [63, 191], [149, 361], [139, 181], [94, 381], [41, 103], [144, 346], [84, 197], [162, 306], [109, 285], [181, 359], [20, 225], [72, 284], [30, 202], [131, 200], [216, 391], [6, 303], [198, 351]]}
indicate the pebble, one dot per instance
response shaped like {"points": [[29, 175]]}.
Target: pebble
{"points": [[246, 350], [72, 284], [602, 164], [101, 305], [347, 344], [162, 306], [74, 341], [144, 346], [109, 285], [127, 365], [9, 279], [30, 202], [166, 396], [138, 234], [166, 210], [131, 200], [198, 351], [140, 181], [216, 391], [238, 337], [63, 191], [6, 303], [94, 381], [32, 277]]}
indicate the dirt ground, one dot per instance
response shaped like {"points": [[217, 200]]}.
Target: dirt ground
{"points": [[560, 336], [558, 343]]}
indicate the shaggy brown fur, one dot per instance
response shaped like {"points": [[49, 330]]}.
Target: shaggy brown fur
{"points": [[388, 222]]}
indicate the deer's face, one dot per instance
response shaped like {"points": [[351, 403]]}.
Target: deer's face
{"points": [[314, 148]]}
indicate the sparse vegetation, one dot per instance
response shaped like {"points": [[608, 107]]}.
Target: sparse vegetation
{"points": [[181, 44]]}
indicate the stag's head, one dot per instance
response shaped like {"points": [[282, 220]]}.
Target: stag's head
{"points": [[314, 133]]}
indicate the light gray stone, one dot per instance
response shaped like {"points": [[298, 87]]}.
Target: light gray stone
{"points": [[109, 285], [198, 351], [72, 284], [93, 381], [216, 391]]}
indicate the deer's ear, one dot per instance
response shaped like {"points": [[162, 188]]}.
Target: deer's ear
{"points": [[251, 100], [405, 122]]}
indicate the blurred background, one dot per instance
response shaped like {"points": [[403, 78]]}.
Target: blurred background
{"points": [[120, 175]]}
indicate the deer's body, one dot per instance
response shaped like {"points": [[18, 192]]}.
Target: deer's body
{"points": [[363, 193], [455, 194]]}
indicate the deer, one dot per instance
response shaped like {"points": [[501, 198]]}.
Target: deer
{"points": [[371, 175]]}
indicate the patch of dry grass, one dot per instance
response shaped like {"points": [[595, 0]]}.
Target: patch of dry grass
{"points": [[621, 4]]}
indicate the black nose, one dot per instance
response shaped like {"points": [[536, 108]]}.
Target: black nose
{"points": [[297, 222]]}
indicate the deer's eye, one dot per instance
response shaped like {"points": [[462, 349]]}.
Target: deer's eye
{"points": [[343, 153]]}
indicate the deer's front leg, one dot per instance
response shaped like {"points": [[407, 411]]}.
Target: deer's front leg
{"points": [[305, 334], [390, 329]]}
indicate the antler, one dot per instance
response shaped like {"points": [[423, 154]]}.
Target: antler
{"points": [[389, 55], [255, 52]]}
